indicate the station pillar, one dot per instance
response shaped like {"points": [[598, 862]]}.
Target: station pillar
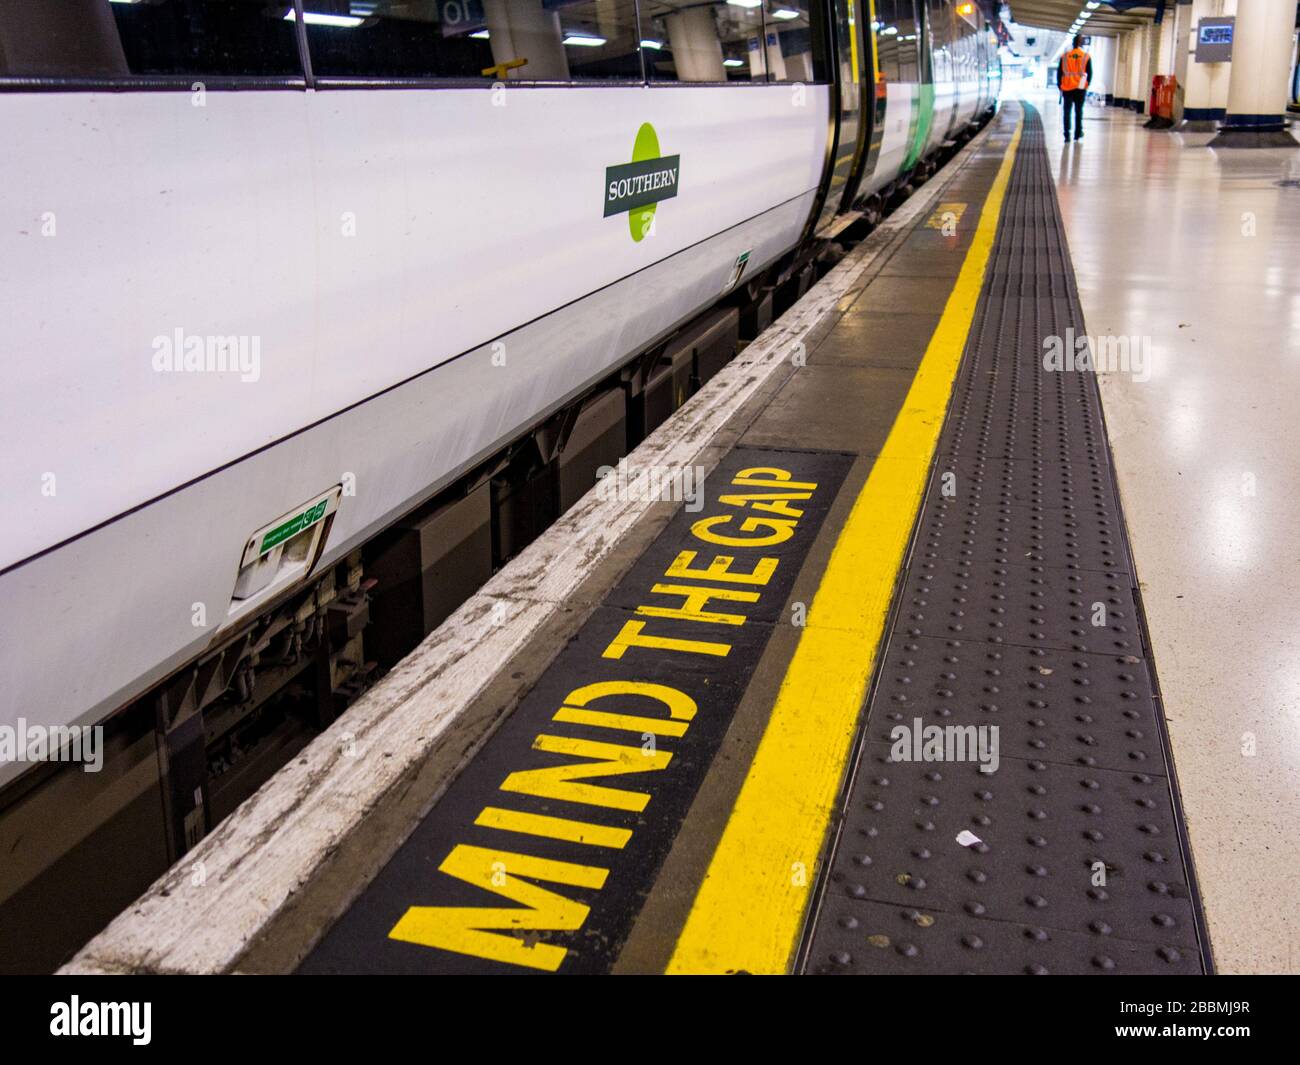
{"points": [[1164, 50], [1102, 51], [1133, 61], [1205, 85], [1119, 84], [1133, 69], [526, 30], [1261, 71], [775, 60], [697, 51], [1148, 46]]}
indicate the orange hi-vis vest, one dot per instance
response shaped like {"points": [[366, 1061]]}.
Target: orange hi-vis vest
{"points": [[1074, 64]]}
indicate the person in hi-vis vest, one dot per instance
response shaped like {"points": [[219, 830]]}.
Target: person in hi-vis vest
{"points": [[1075, 76]]}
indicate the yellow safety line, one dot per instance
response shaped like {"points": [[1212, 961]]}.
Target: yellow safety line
{"points": [[749, 909]]}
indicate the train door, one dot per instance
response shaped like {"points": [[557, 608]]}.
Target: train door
{"points": [[988, 67], [969, 80], [984, 64], [923, 106], [878, 101], [853, 68], [872, 99], [942, 43], [897, 65]]}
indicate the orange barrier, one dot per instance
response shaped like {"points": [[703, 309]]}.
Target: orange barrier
{"points": [[1161, 104]]}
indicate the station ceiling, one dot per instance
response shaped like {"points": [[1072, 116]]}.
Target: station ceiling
{"points": [[1106, 20]]}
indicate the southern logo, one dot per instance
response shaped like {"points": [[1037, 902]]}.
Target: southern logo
{"points": [[639, 186]]}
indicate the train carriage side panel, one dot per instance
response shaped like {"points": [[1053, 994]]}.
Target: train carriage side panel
{"points": [[536, 267]]}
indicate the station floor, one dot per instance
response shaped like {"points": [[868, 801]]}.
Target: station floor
{"points": [[940, 531], [1196, 251]]}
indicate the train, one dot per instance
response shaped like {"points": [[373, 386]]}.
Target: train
{"points": [[317, 312]]}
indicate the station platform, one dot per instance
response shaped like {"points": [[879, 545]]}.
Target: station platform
{"points": [[878, 696]]}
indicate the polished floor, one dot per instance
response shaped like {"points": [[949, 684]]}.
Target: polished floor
{"points": [[1196, 252]]}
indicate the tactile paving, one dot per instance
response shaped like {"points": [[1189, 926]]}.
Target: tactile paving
{"points": [[1086, 611], [1061, 849]]}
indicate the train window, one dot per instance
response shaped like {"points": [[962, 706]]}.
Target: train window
{"points": [[495, 40], [941, 32], [910, 45], [795, 40], [157, 38], [886, 30], [896, 40], [684, 40]]}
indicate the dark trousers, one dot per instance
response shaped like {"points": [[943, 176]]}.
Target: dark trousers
{"points": [[1074, 102]]}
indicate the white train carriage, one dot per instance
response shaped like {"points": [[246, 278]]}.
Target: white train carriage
{"points": [[299, 297]]}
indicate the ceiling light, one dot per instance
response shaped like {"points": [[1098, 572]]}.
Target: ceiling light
{"points": [[784, 13], [315, 18], [656, 45], [733, 62]]}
